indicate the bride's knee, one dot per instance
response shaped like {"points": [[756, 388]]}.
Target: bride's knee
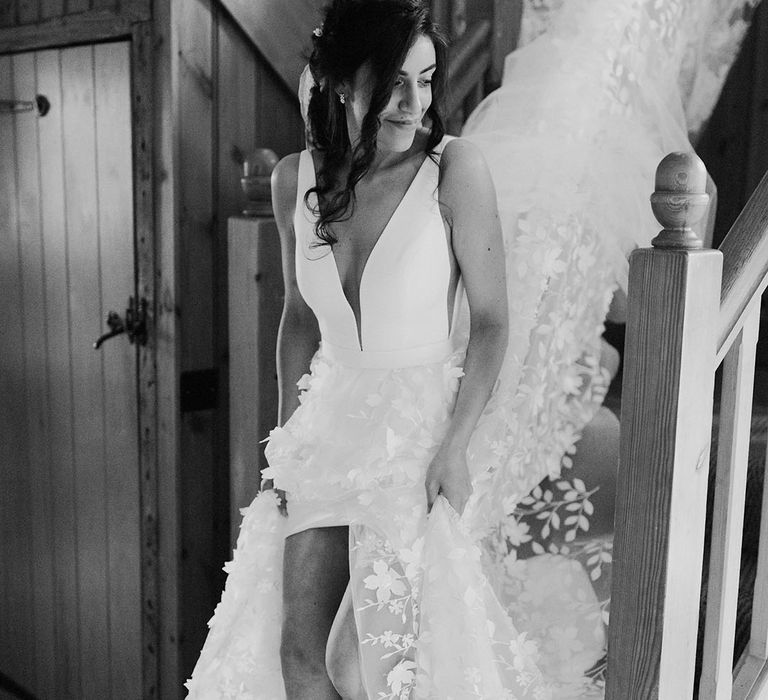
{"points": [[300, 656], [343, 668]]}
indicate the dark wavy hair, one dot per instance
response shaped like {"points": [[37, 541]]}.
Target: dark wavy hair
{"points": [[356, 32]]}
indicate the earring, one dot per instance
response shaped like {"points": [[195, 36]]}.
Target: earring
{"points": [[342, 98]]}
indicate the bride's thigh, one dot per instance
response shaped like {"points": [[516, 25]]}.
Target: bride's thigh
{"points": [[315, 576], [341, 657]]}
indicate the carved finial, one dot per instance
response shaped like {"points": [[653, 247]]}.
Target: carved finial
{"points": [[257, 171], [680, 200]]}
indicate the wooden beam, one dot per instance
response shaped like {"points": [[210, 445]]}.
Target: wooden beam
{"points": [[144, 217], [661, 500], [165, 66], [81, 28]]}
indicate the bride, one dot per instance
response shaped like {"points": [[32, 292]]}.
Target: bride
{"points": [[393, 260]]}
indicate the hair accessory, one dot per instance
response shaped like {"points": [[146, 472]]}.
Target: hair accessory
{"points": [[342, 98], [318, 31]]}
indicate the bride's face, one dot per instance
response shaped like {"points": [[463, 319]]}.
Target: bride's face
{"points": [[410, 99]]}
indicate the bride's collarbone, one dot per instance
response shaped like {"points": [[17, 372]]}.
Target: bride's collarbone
{"points": [[377, 199]]}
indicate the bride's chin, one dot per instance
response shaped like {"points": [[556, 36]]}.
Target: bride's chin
{"points": [[396, 140]]}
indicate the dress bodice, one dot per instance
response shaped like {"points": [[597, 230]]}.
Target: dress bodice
{"points": [[404, 289]]}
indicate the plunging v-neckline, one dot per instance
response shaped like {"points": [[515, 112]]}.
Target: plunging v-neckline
{"points": [[358, 320]]}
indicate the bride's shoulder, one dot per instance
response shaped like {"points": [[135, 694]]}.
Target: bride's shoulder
{"points": [[287, 169], [462, 164], [284, 186], [458, 154]]}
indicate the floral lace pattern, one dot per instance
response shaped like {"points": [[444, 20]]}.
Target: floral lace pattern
{"points": [[702, 38]]}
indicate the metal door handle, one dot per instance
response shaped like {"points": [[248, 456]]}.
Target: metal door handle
{"points": [[135, 324], [116, 327]]}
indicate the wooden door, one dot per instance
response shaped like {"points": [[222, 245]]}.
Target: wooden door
{"points": [[70, 564]]}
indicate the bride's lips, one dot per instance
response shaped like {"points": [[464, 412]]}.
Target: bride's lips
{"points": [[404, 124]]}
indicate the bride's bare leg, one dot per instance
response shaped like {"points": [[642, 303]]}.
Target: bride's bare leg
{"points": [[342, 657], [316, 573]]}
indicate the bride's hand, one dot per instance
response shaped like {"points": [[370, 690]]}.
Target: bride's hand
{"points": [[448, 475], [269, 485]]}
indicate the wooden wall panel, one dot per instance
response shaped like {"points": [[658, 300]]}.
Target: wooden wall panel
{"points": [[75, 6], [81, 202], [33, 306], [60, 408], [235, 126], [281, 29], [115, 224], [8, 13], [28, 11], [15, 638], [237, 93], [229, 103], [51, 8], [283, 134], [249, 97], [197, 254]]}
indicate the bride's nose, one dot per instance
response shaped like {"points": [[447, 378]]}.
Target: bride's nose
{"points": [[410, 101]]}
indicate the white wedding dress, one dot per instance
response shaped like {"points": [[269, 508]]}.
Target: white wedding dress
{"points": [[445, 608]]}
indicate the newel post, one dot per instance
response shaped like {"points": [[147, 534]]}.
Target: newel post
{"points": [[255, 303], [666, 416]]}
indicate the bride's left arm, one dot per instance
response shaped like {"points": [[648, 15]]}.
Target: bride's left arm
{"points": [[468, 203]]}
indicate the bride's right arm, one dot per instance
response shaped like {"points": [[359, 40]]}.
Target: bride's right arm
{"points": [[299, 335]]}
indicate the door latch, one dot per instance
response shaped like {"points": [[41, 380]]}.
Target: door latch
{"points": [[135, 323]]}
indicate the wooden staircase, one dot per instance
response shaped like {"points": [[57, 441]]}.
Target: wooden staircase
{"points": [[280, 30], [690, 311]]}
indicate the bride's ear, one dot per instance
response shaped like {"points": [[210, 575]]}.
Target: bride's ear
{"points": [[343, 90]]}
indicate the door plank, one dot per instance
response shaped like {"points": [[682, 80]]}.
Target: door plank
{"points": [[58, 354], [12, 419], [38, 497], [113, 147], [70, 566], [88, 389]]}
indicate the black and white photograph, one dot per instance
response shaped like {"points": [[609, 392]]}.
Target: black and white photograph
{"points": [[383, 350]]}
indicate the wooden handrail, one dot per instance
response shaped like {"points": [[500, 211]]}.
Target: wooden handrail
{"points": [[745, 265]]}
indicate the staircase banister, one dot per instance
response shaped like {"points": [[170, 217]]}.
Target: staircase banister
{"points": [[745, 265]]}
